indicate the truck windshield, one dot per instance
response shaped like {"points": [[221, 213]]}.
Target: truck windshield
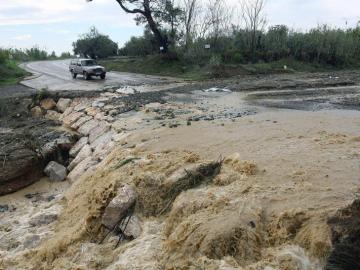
{"points": [[88, 63]]}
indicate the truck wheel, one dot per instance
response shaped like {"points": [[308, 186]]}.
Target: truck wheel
{"points": [[102, 76], [86, 76], [73, 74]]}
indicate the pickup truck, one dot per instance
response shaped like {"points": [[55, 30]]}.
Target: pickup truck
{"points": [[87, 68]]}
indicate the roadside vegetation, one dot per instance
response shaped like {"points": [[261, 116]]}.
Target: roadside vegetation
{"points": [[206, 39], [10, 72]]}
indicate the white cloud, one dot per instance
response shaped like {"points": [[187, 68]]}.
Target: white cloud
{"points": [[22, 37], [20, 12]]}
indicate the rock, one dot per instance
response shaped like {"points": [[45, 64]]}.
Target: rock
{"points": [[21, 148], [77, 147], [36, 112], [66, 113], [4, 208], [48, 104], [38, 197], [23, 167], [133, 229], [81, 169], [66, 141], [81, 121], [55, 171], [98, 104], [84, 153], [63, 104], [92, 111], [126, 90], [31, 241], [118, 207], [70, 119], [88, 126], [100, 116], [103, 139], [120, 137], [81, 107], [101, 151], [43, 219], [52, 115], [113, 112], [99, 130]]}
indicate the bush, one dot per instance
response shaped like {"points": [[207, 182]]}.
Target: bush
{"points": [[4, 56]]}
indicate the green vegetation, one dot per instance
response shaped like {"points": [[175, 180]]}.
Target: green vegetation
{"points": [[33, 54], [10, 73], [157, 65], [322, 46], [95, 45], [162, 66]]}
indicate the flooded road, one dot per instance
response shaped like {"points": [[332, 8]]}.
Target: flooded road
{"points": [[313, 99], [54, 75]]}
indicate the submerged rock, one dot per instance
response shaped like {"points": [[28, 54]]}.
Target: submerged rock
{"points": [[133, 229], [119, 206], [31, 241], [55, 171], [43, 219]]}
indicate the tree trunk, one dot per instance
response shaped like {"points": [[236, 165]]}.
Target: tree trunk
{"points": [[162, 40]]}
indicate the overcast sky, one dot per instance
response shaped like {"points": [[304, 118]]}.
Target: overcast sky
{"points": [[54, 25]]}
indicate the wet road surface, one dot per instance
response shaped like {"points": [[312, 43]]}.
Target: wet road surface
{"points": [[54, 75]]}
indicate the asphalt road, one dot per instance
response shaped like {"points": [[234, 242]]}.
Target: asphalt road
{"points": [[55, 75]]}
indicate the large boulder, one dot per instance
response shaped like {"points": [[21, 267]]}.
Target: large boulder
{"points": [[55, 171], [48, 104], [119, 206], [63, 104]]}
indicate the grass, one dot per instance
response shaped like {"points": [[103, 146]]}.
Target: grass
{"points": [[10, 73], [156, 65], [291, 67]]}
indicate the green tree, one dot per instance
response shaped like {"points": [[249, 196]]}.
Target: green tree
{"points": [[156, 14], [95, 45], [275, 42]]}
